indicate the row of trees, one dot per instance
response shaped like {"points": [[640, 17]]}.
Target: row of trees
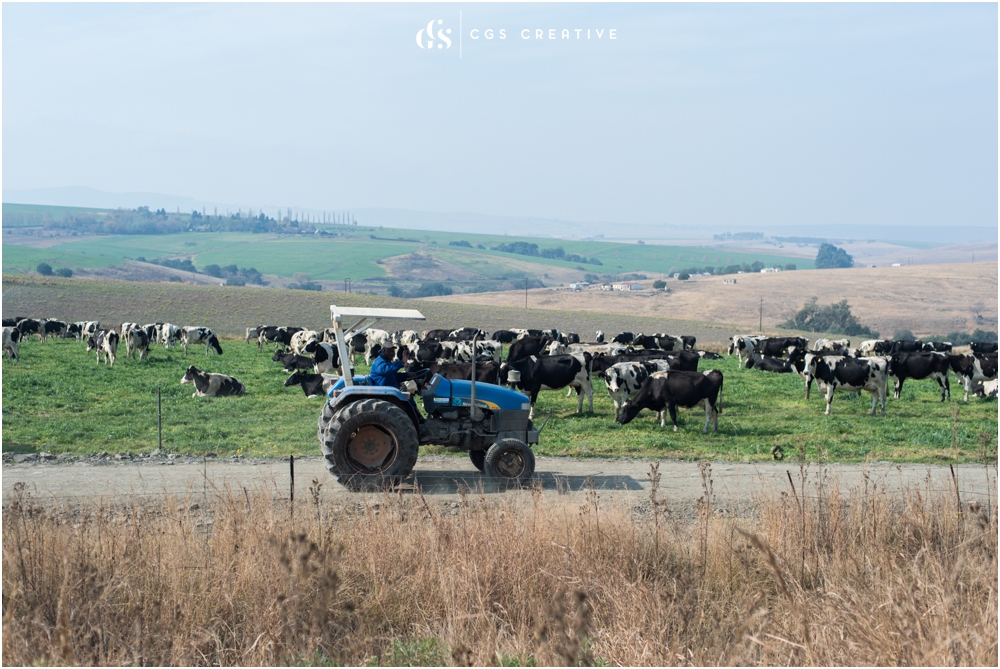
{"points": [[557, 253], [45, 269]]}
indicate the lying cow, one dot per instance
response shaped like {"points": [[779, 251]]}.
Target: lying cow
{"points": [[292, 361], [766, 363], [312, 385], [207, 384], [665, 391], [985, 389], [850, 374], [552, 373], [11, 336], [918, 366], [200, 335]]}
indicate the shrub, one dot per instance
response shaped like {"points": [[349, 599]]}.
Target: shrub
{"points": [[790, 266], [64, 271], [213, 270], [832, 257], [659, 284], [44, 269], [460, 242], [683, 276], [834, 318], [903, 334]]}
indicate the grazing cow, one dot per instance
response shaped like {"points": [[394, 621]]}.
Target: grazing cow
{"points": [[12, 322], [623, 338], [253, 332], [570, 338], [28, 327], [325, 357], [504, 336], [170, 334], [983, 347], [466, 334], [312, 385], [742, 344], [526, 347], [937, 346], [200, 335], [775, 346], [850, 374], [405, 337], [766, 363], [624, 379], [207, 384], [486, 372], [435, 335], [106, 343], [136, 343], [51, 326], [604, 361], [292, 361], [279, 336], [372, 338], [126, 328], [552, 373], [74, 330], [11, 336], [600, 337], [486, 348], [668, 390], [152, 331], [972, 368], [985, 389], [299, 340], [868, 346], [921, 365], [832, 344]]}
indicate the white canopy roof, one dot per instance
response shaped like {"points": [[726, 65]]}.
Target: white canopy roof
{"points": [[359, 312]]}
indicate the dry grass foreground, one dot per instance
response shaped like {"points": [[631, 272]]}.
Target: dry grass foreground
{"points": [[813, 578], [927, 299]]}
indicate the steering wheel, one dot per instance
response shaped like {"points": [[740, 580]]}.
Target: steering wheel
{"points": [[420, 376]]}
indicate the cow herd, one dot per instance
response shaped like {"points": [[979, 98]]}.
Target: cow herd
{"points": [[870, 367]]}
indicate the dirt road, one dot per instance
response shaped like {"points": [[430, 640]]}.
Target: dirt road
{"points": [[442, 477]]}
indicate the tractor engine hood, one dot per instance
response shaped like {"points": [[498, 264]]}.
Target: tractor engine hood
{"points": [[488, 396]]}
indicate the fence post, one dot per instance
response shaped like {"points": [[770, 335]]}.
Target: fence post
{"points": [[291, 486], [159, 421]]}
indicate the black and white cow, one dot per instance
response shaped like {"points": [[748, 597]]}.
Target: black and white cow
{"points": [[136, 344], [526, 347], [599, 337], [325, 356], [905, 346], [983, 347], [504, 336], [709, 355], [921, 365], [552, 373], [777, 346], [51, 327], [200, 335], [125, 329], [436, 335], [868, 347], [624, 379], [466, 334], [312, 385], [937, 346], [170, 334], [299, 340], [30, 326], [279, 336], [665, 391], [972, 368], [742, 345], [106, 343], [207, 384], [11, 337], [292, 361], [254, 332], [152, 331], [570, 338], [374, 338], [623, 338], [689, 341], [12, 322], [486, 348], [766, 363], [832, 344], [834, 372], [985, 389]]}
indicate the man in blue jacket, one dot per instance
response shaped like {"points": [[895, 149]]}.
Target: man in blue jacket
{"points": [[385, 371]]}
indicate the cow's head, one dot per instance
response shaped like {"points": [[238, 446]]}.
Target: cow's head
{"points": [[311, 346], [293, 380], [214, 343], [190, 375], [628, 411]]}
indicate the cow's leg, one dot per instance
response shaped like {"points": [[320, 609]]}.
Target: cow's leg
{"points": [[708, 415], [809, 383], [875, 398], [579, 398], [569, 391], [947, 386], [967, 382], [829, 399], [662, 415], [898, 388], [588, 388], [673, 414]]}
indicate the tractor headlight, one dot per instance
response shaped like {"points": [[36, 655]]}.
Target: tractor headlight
{"points": [[513, 376]]}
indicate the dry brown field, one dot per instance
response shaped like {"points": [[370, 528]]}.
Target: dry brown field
{"points": [[927, 299], [810, 577]]}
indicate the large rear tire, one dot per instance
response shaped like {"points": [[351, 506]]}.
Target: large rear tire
{"points": [[510, 461], [370, 445], [325, 416]]}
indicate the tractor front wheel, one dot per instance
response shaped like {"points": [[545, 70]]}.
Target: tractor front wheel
{"points": [[510, 460]]}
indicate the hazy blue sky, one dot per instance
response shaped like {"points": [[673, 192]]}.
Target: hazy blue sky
{"points": [[695, 115]]}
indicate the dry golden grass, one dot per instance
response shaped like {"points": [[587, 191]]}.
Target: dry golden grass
{"points": [[519, 578]]}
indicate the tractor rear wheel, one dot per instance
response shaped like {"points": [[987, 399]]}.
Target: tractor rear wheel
{"points": [[325, 416], [510, 460], [370, 445]]}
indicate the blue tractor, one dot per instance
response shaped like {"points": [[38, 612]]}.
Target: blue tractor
{"points": [[370, 435]]}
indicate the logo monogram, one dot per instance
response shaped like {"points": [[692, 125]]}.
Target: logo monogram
{"points": [[427, 41]]}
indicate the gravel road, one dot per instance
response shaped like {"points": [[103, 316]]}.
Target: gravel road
{"points": [[441, 477]]}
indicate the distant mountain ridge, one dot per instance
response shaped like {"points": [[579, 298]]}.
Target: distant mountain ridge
{"points": [[525, 226]]}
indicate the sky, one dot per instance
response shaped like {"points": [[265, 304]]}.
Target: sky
{"points": [[712, 115]]}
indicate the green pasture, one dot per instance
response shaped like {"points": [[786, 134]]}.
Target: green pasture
{"points": [[57, 399]]}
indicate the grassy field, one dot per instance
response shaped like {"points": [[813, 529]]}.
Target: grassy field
{"points": [[814, 579], [353, 254], [56, 399]]}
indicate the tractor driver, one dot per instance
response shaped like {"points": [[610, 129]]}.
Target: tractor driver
{"points": [[385, 372]]}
